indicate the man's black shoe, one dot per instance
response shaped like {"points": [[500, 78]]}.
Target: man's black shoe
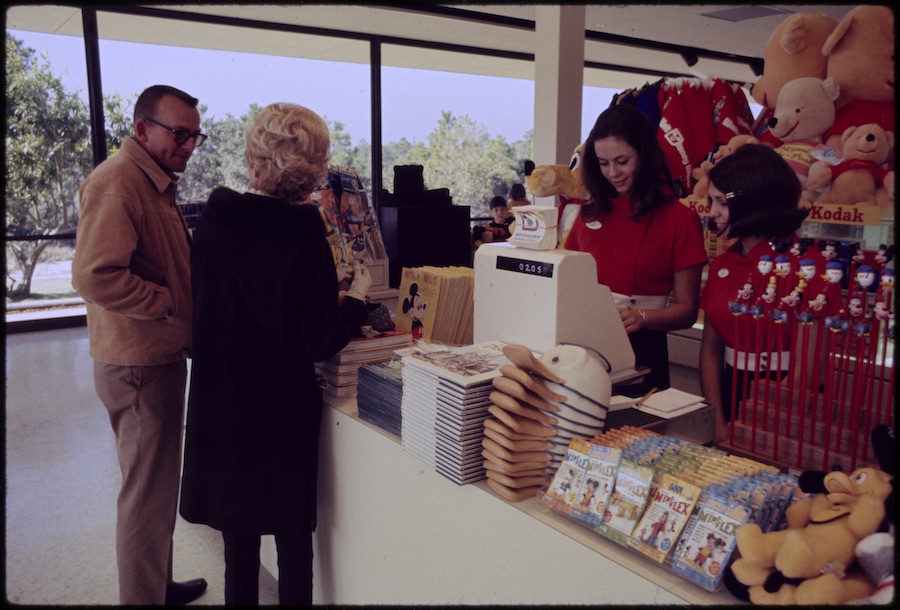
{"points": [[181, 593]]}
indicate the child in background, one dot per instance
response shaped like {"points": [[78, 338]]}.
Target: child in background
{"points": [[498, 229], [517, 196]]}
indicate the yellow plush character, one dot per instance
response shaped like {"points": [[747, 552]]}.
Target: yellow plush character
{"points": [[563, 181], [700, 173], [806, 563]]}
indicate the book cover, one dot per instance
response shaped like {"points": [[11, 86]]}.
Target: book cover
{"points": [[345, 378], [563, 492], [597, 486], [463, 366], [627, 501], [709, 541], [446, 315], [388, 338], [666, 515], [417, 302]]}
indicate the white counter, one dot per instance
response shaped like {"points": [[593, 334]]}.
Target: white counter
{"points": [[393, 531]]}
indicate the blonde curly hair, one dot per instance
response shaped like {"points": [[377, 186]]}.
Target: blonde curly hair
{"points": [[288, 144]]}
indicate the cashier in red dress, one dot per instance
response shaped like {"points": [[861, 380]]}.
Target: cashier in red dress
{"points": [[648, 245]]}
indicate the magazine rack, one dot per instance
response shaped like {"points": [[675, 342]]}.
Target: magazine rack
{"points": [[353, 230]]}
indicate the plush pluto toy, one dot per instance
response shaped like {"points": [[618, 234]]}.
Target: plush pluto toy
{"points": [[813, 560], [563, 181]]}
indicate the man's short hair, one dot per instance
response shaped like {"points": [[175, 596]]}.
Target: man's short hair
{"points": [[497, 201], [148, 100]]}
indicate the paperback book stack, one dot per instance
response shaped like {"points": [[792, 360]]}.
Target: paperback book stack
{"points": [[437, 304], [445, 402], [379, 392], [341, 370]]}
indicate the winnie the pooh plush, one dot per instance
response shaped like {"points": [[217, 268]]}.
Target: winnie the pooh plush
{"points": [[793, 50], [563, 181], [806, 563], [860, 54], [700, 173], [861, 176]]}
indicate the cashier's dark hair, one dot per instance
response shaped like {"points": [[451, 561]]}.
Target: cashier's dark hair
{"points": [[762, 193], [653, 182]]}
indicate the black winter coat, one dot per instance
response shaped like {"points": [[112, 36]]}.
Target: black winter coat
{"points": [[265, 309]]}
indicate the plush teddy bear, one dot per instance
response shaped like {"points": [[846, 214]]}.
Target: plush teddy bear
{"points": [[804, 110], [861, 176], [860, 58], [699, 174], [561, 180], [810, 561], [793, 50]]}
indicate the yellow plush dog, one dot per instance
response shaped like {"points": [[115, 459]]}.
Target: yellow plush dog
{"points": [[563, 181], [819, 544]]}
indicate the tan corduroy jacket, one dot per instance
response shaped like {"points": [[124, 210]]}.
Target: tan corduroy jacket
{"points": [[132, 262]]}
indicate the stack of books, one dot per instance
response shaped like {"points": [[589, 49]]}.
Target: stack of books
{"points": [[379, 392], [341, 370], [446, 395], [437, 304]]}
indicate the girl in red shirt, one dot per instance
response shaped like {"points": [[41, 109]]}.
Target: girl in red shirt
{"points": [[754, 197], [647, 244]]}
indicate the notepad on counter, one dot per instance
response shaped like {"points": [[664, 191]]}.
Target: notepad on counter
{"points": [[618, 402], [671, 403]]}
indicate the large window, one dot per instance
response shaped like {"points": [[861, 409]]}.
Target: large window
{"points": [[470, 131], [48, 154], [232, 85], [463, 112]]}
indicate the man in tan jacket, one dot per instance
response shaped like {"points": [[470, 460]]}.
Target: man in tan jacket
{"points": [[132, 267]]}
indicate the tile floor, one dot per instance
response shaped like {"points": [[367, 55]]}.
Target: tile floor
{"points": [[62, 478]]}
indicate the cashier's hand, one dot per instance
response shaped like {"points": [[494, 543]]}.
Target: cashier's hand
{"points": [[632, 319]]}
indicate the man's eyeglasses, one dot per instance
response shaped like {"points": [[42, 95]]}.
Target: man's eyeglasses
{"points": [[181, 135]]}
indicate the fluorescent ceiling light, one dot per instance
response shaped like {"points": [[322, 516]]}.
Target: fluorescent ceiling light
{"points": [[743, 13]]}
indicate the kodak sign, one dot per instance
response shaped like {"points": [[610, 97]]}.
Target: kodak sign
{"points": [[835, 213]]}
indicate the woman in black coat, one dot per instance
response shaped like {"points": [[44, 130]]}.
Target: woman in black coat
{"points": [[266, 308]]}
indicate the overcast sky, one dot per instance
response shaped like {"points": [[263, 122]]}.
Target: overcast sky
{"points": [[227, 83]]}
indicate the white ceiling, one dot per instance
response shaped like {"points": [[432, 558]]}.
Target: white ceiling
{"points": [[683, 25]]}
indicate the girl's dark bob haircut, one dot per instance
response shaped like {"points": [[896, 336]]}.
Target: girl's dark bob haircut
{"points": [[762, 192]]}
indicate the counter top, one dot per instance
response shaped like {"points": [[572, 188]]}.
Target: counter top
{"points": [[429, 525]]}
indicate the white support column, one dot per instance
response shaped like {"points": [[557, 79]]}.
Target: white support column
{"points": [[559, 77]]}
